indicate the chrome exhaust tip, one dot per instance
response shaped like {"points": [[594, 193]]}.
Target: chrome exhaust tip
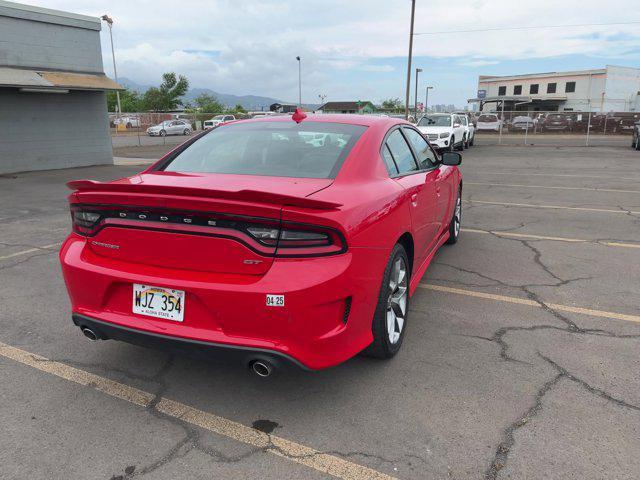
{"points": [[262, 369], [90, 334]]}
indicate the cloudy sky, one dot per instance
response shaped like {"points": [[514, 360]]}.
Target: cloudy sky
{"points": [[356, 49]]}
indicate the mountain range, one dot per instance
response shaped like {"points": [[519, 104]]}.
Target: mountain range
{"points": [[249, 102]]}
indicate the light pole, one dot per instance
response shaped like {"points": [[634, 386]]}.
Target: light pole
{"points": [[406, 102], [299, 81], [109, 21], [322, 96], [426, 99], [415, 106]]}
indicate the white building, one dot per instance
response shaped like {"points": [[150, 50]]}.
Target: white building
{"points": [[608, 89]]}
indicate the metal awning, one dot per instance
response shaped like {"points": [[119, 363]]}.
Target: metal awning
{"points": [[52, 80]]}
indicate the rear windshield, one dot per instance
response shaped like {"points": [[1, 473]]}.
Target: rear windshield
{"points": [[435, 121], [275, 149], [487, 118]]}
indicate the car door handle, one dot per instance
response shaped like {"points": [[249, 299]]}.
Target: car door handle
{"points": [[414, 199], [438, 191]]}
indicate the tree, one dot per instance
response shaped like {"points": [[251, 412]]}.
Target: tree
{"points": [[167, 95], [392, 104], [239, 108], [208, 103], [129, 99]]}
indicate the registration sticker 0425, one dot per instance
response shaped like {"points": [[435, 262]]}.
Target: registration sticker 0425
{"points": [[275, 300]]}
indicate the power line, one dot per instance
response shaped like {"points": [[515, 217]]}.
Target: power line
{"points": [[497, 29]]}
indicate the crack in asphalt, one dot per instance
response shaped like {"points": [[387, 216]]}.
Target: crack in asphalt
{"points": [[501, 455]]}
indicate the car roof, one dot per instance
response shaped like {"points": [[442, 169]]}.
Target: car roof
{"points": [[351, 119]]}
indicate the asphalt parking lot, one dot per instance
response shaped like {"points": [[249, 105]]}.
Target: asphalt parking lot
{"points": [[521, 358]]}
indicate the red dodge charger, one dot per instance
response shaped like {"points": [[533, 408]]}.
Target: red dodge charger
{"points": [[282, 240]]}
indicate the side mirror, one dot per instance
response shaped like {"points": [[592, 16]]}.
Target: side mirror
{"points": [[453, 159]]}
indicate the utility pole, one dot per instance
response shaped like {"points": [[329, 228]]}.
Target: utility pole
{"points": [[109, 21], [322, 96], [426, 99], [415, 106], [299, 81], [406, 103]]}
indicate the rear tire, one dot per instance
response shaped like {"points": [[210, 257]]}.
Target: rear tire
{"points": [[452, 143], [473, 139], [390, 318], [465, 143], [456, 221], [461, 146]]}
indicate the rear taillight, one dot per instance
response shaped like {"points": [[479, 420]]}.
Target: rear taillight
{"points": [[268, 236], [85, 222], [295, 240]]}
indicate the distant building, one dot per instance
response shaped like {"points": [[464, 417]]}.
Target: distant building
{"points": [[283, 107], [359, 107], [52, 90], [601, 90]]}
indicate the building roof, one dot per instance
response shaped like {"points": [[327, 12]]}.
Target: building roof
{"points": [[55, 80], [47, 15], [345, 105], [496, 78]]}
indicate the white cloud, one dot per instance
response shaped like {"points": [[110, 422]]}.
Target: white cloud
{"points": [[257, 40]]}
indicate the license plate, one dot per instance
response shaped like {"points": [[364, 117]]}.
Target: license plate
{"points": [[158, 302]]}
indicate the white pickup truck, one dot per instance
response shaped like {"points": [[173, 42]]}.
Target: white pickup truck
{"points": [[444, 131], [217, 120]]}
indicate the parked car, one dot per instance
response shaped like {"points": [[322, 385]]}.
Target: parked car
{"points": [[306, 257], [443, 130], [469, 129], [488, 122], [522, 123], [636, 136], [170, 127], [217, 120], [130, 121], [562, 122]]}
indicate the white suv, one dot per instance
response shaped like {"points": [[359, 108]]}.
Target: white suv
{"points": [[217, 120], [444, 131]]}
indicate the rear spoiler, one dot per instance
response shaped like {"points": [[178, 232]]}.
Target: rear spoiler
{"points": [[240, 195]]}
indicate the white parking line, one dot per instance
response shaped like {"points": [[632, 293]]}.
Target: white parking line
{"points": [[551, 187], [561, 175], [531, 303], [275, 445], [558, 207], [556, 239], [32, 250]]}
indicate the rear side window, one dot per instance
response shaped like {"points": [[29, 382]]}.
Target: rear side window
{"points": [[426, 158], [388, 160], [401, 152], [275, 149]]}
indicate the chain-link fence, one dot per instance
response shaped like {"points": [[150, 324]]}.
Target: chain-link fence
{"points": [[159, 132], [555, 128]]}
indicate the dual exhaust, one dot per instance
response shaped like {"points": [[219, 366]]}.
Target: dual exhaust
{"points": [[262, 368]]}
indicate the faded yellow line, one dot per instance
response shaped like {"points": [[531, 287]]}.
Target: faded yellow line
{"points": [[555, 239], [279, 446], [531, 303], [552, 187], [529, 174], [31, 250], [558, 207]]}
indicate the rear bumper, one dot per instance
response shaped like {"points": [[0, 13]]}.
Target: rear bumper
{"points": [[208, 350], [326, 319]]}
